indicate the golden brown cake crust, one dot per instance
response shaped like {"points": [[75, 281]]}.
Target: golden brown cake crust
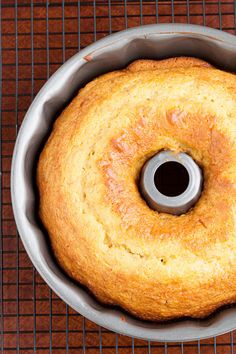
{"points": [[155, 265]]}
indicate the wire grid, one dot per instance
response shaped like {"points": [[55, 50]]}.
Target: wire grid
{"points": [[36, 37]]}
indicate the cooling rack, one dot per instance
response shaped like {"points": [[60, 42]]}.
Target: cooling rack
{"points": [[36, 37]]}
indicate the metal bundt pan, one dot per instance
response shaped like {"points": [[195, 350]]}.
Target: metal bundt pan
{"points": [[110, 53]]}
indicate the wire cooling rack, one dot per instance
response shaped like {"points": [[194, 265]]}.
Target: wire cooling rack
{"points": [[36, 38]]}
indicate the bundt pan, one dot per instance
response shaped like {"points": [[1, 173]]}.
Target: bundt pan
{"points": [[110, 53]]}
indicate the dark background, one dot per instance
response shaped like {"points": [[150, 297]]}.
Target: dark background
{"points": [[36, 38]]}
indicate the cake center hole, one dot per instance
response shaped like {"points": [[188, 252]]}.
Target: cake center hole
{"points": [[171, 179]]}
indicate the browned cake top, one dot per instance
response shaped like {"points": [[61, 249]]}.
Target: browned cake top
{"points": [[104, 235]]}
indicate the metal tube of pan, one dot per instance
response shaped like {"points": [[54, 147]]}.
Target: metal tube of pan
{"points": [[171, 182]]}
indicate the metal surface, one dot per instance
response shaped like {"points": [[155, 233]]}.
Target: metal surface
{"points": [[112, 52], [31, 48], [178, 203]]}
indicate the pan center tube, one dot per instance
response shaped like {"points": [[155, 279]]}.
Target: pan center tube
{"points": [[171, 182]]}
